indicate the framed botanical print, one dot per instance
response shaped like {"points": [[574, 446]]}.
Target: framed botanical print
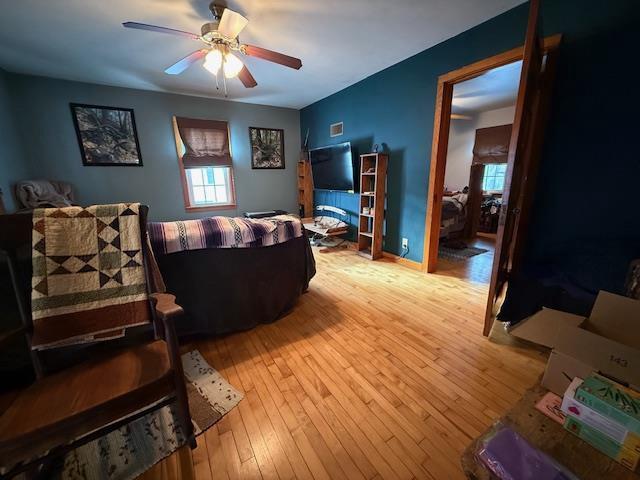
{"points": [[267, 147], [107, 135]]}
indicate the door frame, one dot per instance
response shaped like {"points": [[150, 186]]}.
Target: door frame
{"points": [[439, 146]]}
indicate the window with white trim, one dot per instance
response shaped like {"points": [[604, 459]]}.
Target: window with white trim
{"points": [[209, 186], [494, 175], [205, 162]]}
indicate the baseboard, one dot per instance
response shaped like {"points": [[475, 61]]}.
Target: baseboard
{"points": [[412, 264], [403, 261]]}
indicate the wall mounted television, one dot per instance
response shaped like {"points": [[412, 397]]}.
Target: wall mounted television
{"points": [[332, 168]]}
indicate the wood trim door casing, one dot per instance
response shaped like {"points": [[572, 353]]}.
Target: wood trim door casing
{"points": [[441, 125]]}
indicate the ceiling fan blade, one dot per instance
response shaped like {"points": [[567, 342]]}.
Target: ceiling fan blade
{"points": [[246, 78], [155, 28], [231, 23], [181, 65], [272, 56]]}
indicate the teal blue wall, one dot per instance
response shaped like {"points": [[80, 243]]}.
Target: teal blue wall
{"points": [[587, 195], [13, 166], [41, 111]]}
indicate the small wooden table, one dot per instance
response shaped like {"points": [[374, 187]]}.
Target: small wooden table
{"points": [[550, 437]]}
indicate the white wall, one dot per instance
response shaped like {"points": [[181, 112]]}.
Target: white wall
{"points": [[462, 135]]}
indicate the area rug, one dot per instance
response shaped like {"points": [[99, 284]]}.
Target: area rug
{"points": [[129, 451], [459, 255]]}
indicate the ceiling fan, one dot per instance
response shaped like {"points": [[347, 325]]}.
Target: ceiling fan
{"points": [[221, 41]]}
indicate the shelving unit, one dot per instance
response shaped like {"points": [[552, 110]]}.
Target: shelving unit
{"points": [[373, 181], [305, 186]]}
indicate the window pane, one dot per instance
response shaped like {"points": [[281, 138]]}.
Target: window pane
{"points": [[219, 175], [221, 193], [198, 195], [209, 175], [196, 176], [490, 170], [210, 193], [499, 183], [502, 168]]}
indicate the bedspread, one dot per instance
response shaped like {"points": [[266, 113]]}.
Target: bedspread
{"points": [[222, 232]]}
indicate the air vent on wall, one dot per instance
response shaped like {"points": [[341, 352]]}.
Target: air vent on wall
{"points": [[335, 130]]}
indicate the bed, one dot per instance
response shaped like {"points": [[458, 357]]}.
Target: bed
{"points": [[454, 214], [232, 274]]}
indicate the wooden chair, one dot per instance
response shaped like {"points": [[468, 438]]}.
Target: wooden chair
{"points": [[65, 409]]}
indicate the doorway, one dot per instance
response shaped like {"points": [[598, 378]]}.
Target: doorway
{"points": [[482, 113], [539, 59]]}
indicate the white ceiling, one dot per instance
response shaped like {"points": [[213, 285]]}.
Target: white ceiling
{"points": [[339, 41], [494, 89]]}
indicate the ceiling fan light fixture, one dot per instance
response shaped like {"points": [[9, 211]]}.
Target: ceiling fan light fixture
{"points": [[232, 65], [220, 38], [213, 61]]}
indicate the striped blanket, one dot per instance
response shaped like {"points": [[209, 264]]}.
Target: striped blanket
{"points": [[222, 232]]}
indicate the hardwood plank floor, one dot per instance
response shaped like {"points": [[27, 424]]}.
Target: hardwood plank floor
{"points": [[477, 268], [379, 372]]}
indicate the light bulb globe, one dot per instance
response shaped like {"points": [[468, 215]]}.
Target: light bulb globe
{"points": [[213, 61], [232, 65]]}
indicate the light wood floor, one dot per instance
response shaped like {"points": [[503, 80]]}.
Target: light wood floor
{"points": [[477, 268], [379, 372]]}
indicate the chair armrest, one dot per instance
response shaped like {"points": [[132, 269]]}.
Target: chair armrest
{"points": [[166, 311], [166, 306]]}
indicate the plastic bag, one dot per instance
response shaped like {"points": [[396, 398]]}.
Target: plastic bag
{"points": [[510, 457]]}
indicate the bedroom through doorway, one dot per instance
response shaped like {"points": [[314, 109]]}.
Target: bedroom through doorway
{"points": [[482, 113]]}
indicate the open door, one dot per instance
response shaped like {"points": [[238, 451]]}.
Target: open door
{"points": [[536, 79]]}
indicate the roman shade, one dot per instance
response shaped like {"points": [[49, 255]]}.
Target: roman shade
{"points": [[492, 145], [206, 142]]}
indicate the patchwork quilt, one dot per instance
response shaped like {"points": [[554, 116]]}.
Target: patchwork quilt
{"points": [[88, 280]]}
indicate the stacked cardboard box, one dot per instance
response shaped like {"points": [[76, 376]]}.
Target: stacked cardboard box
{"points": [[607, 342], [607, 416]]}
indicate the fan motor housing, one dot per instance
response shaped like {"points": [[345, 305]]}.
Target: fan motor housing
{"points": [[209, 31]]}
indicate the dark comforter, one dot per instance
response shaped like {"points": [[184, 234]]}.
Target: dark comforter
{"points": [[451, 208], [226, 290]]}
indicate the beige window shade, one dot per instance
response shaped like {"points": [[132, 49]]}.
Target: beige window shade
{"points": [[206, 142], [492, 144]]}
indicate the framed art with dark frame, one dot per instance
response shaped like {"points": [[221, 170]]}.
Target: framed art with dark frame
{"points": [[107, 136], [267, 148]]}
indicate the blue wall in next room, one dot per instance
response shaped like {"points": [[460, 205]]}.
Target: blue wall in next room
{"points": [[588, 182], [43, 117]]}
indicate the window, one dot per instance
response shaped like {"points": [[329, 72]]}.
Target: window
{"points": [[493, 180], [209, 185], [205, 163]]}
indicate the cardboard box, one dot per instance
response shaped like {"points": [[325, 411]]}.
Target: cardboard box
{"points": [[608, 341], [594, 419], [627, 458], [561, 369]]}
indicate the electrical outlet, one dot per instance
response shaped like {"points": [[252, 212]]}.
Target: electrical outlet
{"points": [[405, 243]]}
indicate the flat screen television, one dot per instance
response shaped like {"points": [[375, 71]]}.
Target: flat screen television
{"points": [[332, 168]]}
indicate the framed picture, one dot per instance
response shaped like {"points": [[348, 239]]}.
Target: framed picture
{"points": [[267, 147], [107, 135]]}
